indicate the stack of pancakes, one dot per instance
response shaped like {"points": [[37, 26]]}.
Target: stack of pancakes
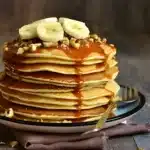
{"points": [[59, 84]]}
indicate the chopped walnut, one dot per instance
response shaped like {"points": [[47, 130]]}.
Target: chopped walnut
{"points": [[99, 40], [112, 45], [91, 39], [65, 41], [82, 42], [104, 40], [64, 46], [94, 36], [9, 113], [20, 51], [16, 44], [50, 44], [33, 47], [73, 39], [74, 44]]}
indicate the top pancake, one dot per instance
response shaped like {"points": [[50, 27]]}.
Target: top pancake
{"points": [[94, 52]]}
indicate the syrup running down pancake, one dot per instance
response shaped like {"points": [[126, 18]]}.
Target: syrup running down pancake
{"points": [[56, 77]]}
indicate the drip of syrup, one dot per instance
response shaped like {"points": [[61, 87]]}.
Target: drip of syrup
{"points": [[77, 91]]}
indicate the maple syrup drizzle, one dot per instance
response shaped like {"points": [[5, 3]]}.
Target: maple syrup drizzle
{"points": [[77, 91]]}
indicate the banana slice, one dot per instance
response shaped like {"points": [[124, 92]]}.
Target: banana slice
{"points": [[51, 19], [50, 31], [75, 28], [28, 31], [62, 19]]}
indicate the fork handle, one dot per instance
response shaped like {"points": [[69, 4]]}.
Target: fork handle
{"points": [[105, 115]]}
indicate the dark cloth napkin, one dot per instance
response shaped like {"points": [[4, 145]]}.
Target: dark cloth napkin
{"points": [[92, 141]]}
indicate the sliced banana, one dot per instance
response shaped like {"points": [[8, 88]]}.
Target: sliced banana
{"points": [[62, 19], [50, 31], [28, 31], [51, 19], [75, 28]]}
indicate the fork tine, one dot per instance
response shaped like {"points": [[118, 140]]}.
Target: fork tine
{"points": [[124, 94], [135, 93], [130, 93]]}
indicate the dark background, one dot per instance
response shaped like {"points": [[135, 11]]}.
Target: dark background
{"points": [[104, 16]]}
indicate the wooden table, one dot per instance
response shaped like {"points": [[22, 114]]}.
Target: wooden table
{"points": [[134, 63]]}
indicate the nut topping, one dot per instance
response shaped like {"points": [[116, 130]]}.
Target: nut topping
{"points": [[50, 44], [74, 44], [94, 36], [104, 40], [34, 46], [9, 113], [91, 39], [20, 51], [16, 44], [65, 41], [112, 45]]}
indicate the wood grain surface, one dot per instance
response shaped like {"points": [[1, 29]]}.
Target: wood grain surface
{"points": [[103, 16]]}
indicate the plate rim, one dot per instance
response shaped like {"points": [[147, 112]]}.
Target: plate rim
{"points": [[142, 101]]}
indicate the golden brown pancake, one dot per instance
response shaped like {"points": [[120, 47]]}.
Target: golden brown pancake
{"points": [[36, 60], [94, 51], [63, 69], [64, 80], [60, 97], [84, 119], [13, 84], [39, 113], [85, 104]]}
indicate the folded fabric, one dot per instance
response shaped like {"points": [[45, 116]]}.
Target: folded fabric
{"points": [[92, 141]]}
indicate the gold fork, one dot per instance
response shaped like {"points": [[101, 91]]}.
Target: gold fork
{"points": [[128, 95], [102, 120]]}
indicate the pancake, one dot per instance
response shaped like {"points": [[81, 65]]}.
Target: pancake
{"points": [[86, 95], [95, 51], [20, 85], [67, 81], [12, 84], [111, 88], [32, 60], [85, 119], [85, 104], [39, 113], [63, 69]]}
